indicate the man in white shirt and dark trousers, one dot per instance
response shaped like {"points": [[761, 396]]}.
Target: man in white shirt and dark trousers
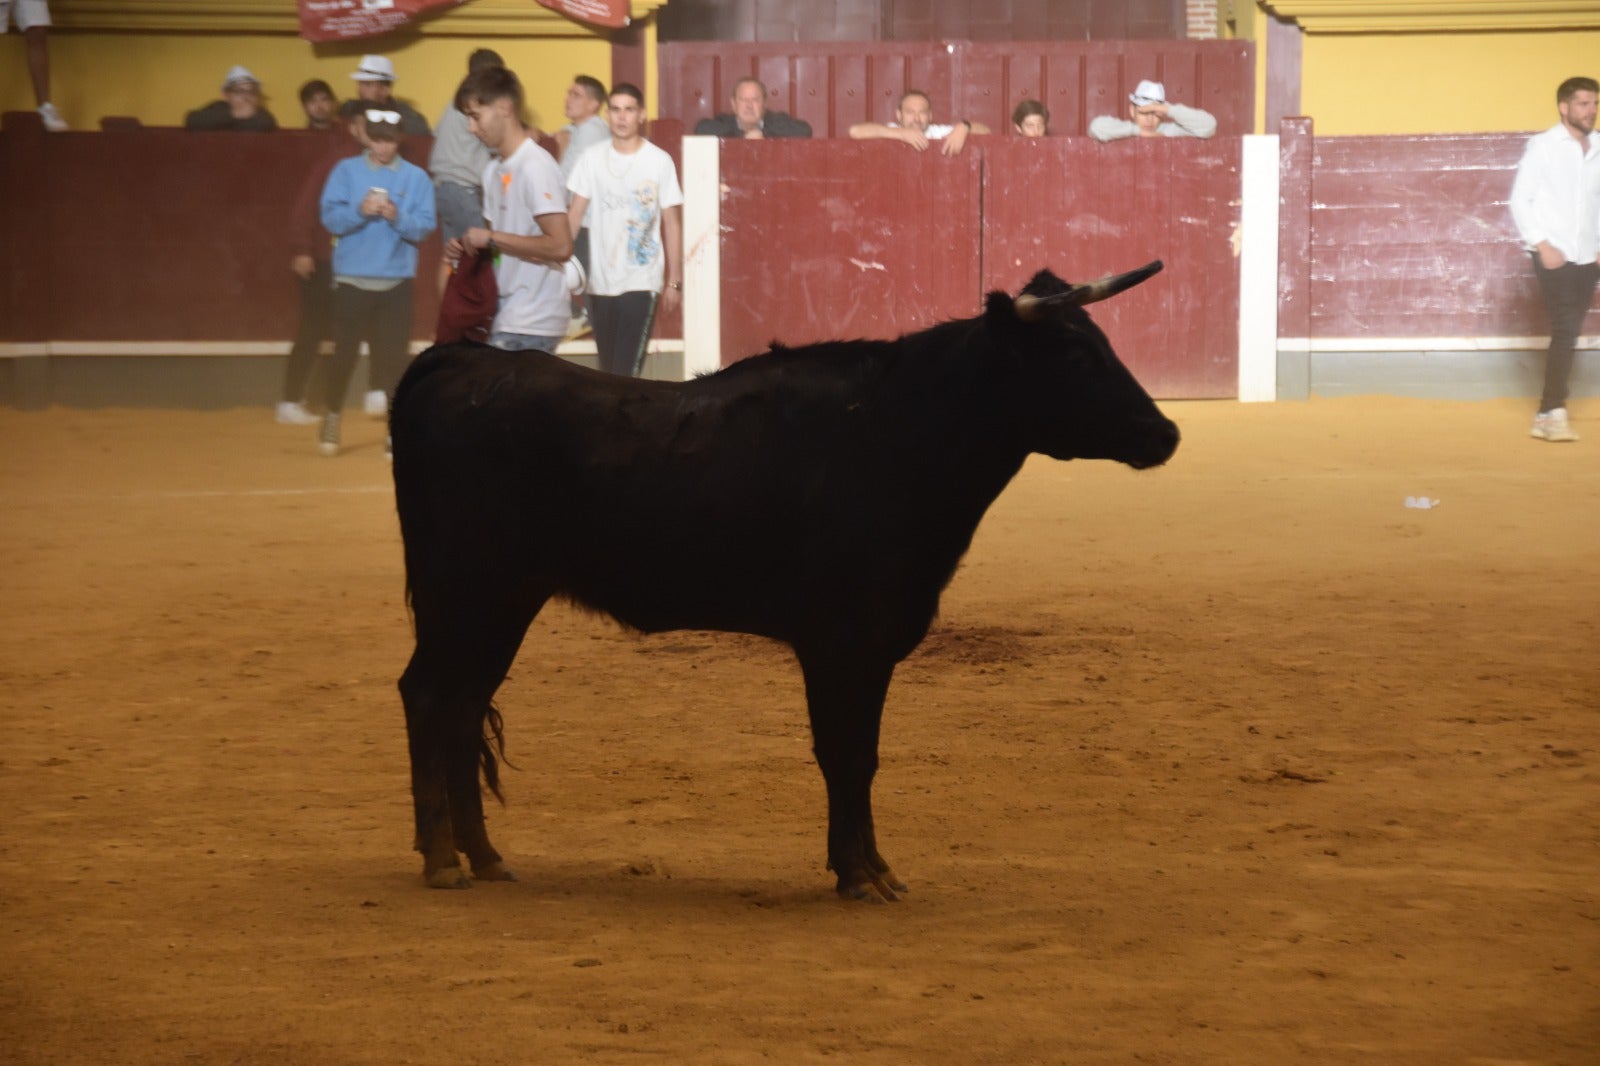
{"points": [[525, 216], [1555, 202], [635, 216]]}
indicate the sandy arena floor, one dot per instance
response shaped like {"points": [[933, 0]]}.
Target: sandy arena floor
{"points": [[1236, 761]]}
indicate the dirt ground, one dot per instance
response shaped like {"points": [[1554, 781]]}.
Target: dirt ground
{"points": [[1235, 761]]}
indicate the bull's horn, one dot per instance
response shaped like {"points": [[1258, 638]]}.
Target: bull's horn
{"points": [[1031, 308], [1094, 291]]}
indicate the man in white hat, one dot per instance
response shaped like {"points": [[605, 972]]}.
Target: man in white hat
{"points": [[1151, 114], [374, 80], [239, 109]]}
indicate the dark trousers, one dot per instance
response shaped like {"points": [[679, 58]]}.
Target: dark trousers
{"points": [[1567, 290], [580, 249], [621, 330], [316, 318], [383, 320]]}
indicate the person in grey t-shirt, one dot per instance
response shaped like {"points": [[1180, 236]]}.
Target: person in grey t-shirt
{"points": [[584, 129], [457, 167]]}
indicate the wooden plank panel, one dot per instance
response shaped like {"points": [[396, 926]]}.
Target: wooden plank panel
{"points": [[1065, 96], [812, 92], [1411, 237], [1125, 204], [983, 94], [789, 210], [1295, 154]]}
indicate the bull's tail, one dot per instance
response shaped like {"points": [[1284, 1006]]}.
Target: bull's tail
{"points": [[492, 751]]}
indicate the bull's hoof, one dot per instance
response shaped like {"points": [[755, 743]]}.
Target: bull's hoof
{"points": [[447, 877], [494, 871], [884, 888]]}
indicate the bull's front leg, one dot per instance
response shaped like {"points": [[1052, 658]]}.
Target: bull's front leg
{"points": [[844, 696]]}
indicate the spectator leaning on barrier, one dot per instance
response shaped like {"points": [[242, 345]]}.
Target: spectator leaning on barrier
{"points": [[630, 189], [374, 80], [239, 109], [525, 208], [33, 19], [750, 118], [1151, 114], [914, 125], [1031, 119], [317, 101], [1555, 203], [457, 167], [379, 208]]}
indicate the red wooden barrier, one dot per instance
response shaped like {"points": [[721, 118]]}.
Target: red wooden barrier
{"points": [[833, 86], [862, 239], [1086, 209], [1413, 238]]}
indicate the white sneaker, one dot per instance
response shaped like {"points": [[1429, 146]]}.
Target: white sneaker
{"points": [[295, 414], [52, 118], [1552, 426], [376, 404]]}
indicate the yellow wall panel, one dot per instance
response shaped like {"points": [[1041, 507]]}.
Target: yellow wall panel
{"points": [[1440, 83]]}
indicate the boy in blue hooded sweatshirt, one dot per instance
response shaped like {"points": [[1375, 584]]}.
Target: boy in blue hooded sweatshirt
{"points": [[379, 208]]}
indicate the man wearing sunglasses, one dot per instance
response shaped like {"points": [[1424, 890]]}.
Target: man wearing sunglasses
{"points": [[379, 208]]}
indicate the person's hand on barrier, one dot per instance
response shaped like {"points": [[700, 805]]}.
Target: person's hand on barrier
{"points": [[914, 138], [303, 266], [957, 139]]}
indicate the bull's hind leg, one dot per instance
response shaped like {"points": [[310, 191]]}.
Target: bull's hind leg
{"points": [[845, 698], [458, 664]]}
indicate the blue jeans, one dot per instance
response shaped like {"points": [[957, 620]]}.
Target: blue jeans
{"points": [[522, 342]]}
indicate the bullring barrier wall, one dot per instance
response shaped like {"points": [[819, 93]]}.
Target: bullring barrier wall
{"points": [[134, 261]]}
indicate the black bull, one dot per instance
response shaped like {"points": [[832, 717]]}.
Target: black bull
{"points": [[821, 496]]}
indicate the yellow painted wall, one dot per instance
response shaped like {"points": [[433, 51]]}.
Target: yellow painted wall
{"points": [[1440, 83], [157, 77]]}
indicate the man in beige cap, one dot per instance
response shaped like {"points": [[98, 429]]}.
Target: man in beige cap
{"points": [[1151, 114], [239, 109], [374, 80]]}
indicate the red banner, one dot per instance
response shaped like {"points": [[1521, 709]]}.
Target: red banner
{"points": [[596, 12], [342, 20]]}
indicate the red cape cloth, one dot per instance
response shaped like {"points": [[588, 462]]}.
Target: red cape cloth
{"points": [[471, 297]]}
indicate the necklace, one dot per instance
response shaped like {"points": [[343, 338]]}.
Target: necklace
{"points": [[627, 167]]}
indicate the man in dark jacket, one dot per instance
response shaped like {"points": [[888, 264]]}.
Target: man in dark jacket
{"points": [[750, 118], [239, 109]]}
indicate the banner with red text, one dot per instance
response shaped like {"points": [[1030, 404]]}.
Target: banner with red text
{"points": [[596, 12], [342, 20]]}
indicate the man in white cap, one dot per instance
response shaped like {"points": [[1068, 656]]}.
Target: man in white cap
{"points": [[1151, 114], [239, 109], [374, 80]]}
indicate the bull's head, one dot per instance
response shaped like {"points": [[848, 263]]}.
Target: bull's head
{"points": [[1076, 399]]}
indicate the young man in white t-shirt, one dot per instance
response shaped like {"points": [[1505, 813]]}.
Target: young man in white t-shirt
{"points": [[635, 217], [525, 215]]}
